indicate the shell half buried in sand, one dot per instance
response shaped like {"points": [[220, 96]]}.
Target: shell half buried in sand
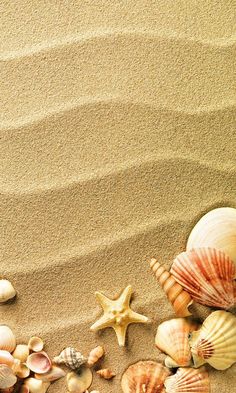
{"points": [[177, 296], [216, 229], [71, 358], [208, 275], [188, 380], [7, 291], [144, 376], [172, 338], [215, 341]]}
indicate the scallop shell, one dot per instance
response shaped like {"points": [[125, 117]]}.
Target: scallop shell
{"points": [[215, 341], [79, 382], [216, 229], [179, 299], [7, 291], [36, 386], [52, 375], [106, 373], [7, 377], [6, 358], [35, 344], [7, 339], [208, 275], [188, 380], [172, 338], [21, 352], [39, 362], [144, 376], [71, 358]]}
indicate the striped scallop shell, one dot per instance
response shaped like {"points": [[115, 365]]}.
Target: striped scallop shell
{"points": [[144, 376], [172, 338], [188, 380], [215, 341], [207, 275], [71, 358], [7, 339]]}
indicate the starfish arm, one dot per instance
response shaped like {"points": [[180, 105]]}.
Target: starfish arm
{"points": [[125, 296], [121, 334], [104, 301], [102, 323], [134, 317]]}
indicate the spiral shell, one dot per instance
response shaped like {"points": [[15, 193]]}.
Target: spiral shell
{"points": [[106, 373], [7, 339], [207, 275], [71, 358], [188, 380], [179, 299], [95, 355]]}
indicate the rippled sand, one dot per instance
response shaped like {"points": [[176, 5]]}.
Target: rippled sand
{"points": [[117, 132]]}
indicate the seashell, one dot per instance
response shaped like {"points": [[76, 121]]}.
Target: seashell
{"points": [[172, 338], [52, 375], [95, 355], [188, 380], [6, 358], [71, 358], [216, 229], [36, 386], [7, 291], [24, 389], [35, 344], [215, 341], [79, 382], [144, 376], [208, 275], [7, 339], [179, 299], [106, 373], [7, 377], [39, 362], [22, 371], [21, 352]]}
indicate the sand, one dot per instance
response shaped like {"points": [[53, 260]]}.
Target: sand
{"points": [[117, 132]]}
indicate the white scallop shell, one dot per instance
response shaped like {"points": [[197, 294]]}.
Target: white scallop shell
{"points": [[7, 339], [188, 380], [7, 377]]}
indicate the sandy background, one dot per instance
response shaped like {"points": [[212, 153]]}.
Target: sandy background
{"points": [[117, 132]]}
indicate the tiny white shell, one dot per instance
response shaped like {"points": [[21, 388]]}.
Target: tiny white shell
{"points": [[7, 339], [7, 377], [36, 386], [35, 344]]}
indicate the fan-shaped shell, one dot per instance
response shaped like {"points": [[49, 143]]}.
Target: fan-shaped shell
{"points": [[71, 358], [172, 338], [215, 341], [188, 380], [216, 229], [145, 376], [208, 275], [7, 377], [39, 362], [7, 339]]}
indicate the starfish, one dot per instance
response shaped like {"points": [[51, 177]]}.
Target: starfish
{"points": [[117, 314]]}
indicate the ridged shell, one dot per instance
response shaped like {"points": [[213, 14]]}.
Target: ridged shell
{"points": [[39, 362], [79, 382], [215, 341], [95, 354], [71, 358], [208, 275], [7, 291], [188, 380], [145, 376], [216, 229], [179, 299], [172, 338], [7, 377], [7, 339]]}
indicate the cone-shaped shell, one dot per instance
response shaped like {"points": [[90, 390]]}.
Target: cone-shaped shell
{"points": [[71, 358], [216, 229], [36, 386], [79, 382], [6, 358], [144, 376], [35, 344], [39, 362], [172, 338], [21, 352], [7, 339], [188, 380], [7, 377], [215, 341], [208, 275], [52, 375], [7, 291], [106, 373], [179, 298], [95, 355]]}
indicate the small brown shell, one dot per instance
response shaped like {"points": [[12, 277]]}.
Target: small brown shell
{"points": [[106, 373]]}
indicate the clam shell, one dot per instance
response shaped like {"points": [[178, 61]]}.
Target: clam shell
{"points": [[179, 298], [6, 358], [95, 355], [39, 362], [216, 229], [215, 341], [144, 376], [188, 380], [172, 338], [71, 358], [7, 377], [7, 291], [52, 375], [79, 382], [36, 386], [35, 344], [208, 275], [21, 352], [7, 339]]}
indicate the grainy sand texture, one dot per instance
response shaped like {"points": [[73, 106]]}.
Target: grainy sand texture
{"points": [[117, 132]]}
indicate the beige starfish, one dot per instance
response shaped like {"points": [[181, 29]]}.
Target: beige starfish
{"points": [[118, 314]]}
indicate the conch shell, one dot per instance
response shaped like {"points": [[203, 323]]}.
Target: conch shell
{"points": [[144, 376], [52, 375], [188, 380], [79, 382], [215, 341], [95, 355], [7, 377], [216, 229], [7, 339], [172, 338], [179, 299], [71, 358], [106, 373], [7, 291], [36, 386], [35, 344], [208, 275], [39, 362], [21, 352]]}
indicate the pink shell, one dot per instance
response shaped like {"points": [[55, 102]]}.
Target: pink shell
{"points": [[207, 274], [39, 362]]}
